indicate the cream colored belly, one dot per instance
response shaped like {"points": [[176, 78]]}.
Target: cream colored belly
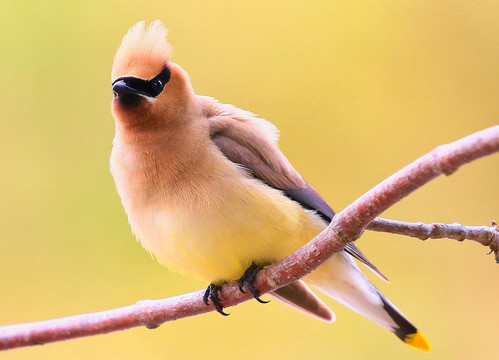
{"points": [[219, 242]]}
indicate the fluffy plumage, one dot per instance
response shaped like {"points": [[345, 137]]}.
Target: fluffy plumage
{"points": [[142, 52], [208, 192]]}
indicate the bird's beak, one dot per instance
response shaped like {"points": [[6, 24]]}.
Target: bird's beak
{"points": [[121, 88]]}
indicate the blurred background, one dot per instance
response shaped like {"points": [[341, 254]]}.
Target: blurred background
{"points": [[358, 89]]}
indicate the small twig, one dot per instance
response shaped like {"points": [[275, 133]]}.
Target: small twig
{"points": [[347, 226], [485, 235]]}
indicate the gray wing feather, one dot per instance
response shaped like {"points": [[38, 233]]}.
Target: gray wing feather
{"points": [[285, 178]]}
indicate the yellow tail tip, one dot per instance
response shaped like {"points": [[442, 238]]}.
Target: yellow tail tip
{"points": [[418, 341]]}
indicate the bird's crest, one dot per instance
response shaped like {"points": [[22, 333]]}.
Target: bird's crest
{"points": [[143, 51]]}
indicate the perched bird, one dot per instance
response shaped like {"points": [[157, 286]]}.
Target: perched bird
{"points": [[209, 193]]}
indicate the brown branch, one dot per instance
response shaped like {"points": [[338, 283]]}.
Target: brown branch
{"points": [[347, 226], [485, 235]]}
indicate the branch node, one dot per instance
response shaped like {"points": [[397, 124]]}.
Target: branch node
{"points": [[147, 315], [437, 230], [445, 165], [462, 231], [494, 241], [424, 232], [344, 238], [274, 280]]}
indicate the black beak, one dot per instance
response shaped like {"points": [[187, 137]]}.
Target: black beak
{"points": [[129, 85], [121, 88]]}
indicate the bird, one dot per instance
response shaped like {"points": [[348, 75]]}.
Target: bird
{"points": [[209, 194]]}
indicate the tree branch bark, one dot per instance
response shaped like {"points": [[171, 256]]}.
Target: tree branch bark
{"points": [[485, 235], [347, 226]]}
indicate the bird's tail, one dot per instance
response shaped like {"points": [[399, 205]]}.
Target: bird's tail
{"points": [[341, 279]]}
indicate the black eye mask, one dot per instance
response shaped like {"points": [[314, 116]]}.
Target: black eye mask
{"points": [[133, 85]]}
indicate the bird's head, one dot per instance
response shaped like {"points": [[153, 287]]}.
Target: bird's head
{"points": [[148, 89]]}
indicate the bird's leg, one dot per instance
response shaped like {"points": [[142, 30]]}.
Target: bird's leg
{"points": [[211, 293], [247, 279]]}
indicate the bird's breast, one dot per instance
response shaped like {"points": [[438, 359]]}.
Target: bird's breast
{"points": [[211, 223]]}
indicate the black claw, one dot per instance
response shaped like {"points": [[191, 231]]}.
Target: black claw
{"points": [[256, 294], [247, 279], [240, 284], [207, 293], [211, 293]]}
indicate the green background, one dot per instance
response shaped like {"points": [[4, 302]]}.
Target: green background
{"points": [[358, 89]]}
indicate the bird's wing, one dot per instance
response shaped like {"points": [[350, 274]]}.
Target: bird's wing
{"points": [[251, 142]]}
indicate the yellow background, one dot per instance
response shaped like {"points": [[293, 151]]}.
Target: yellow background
{"points": [[358, 88]]}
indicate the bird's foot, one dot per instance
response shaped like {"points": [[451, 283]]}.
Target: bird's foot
{"points": [[211, 293], [247, 279]]}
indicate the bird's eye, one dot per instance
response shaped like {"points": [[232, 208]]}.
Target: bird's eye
{"points": [[158, 85]]}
